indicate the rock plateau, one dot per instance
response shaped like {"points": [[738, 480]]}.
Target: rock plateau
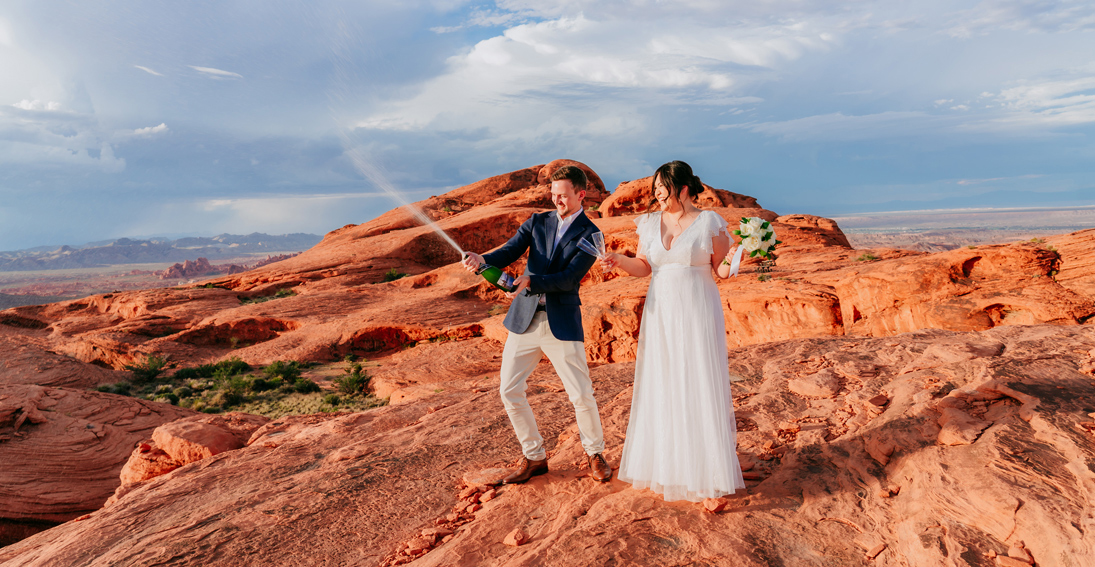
{"points": [[894, 407]]}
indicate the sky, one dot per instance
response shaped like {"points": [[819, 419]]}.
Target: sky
{"points": [[130, 119]]}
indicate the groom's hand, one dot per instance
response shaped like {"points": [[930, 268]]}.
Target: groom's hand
{"points": [[522, 283], [472, 261]]}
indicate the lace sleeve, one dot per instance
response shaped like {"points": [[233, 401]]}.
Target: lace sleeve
{"points": [[713, 225], [642, 224]]}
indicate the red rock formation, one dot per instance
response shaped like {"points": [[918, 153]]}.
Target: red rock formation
{"points": [[1077, 253], [935, 445], [634, 197], [185, 441], [202, 267], [63, 449]]}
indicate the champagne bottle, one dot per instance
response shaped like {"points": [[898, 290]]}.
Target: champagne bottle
{"points": [[496, 277]]}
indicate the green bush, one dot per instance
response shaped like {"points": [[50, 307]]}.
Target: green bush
{"points": [[233, 366], [226, 398], [169, 397], [331, 399], [356, 380], [225, 368], [305, 386], [148, 370], [866, 257], [236, 385], [392, 275], [261, 385], [183, 392], [286, 371]]}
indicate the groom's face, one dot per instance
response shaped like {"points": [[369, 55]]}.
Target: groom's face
{"points": [[566, 200]]}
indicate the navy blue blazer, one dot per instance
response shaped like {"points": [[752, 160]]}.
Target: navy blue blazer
{"points": [[555, 277]]}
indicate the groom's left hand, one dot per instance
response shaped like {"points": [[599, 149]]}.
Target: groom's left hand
{"points": [[522, 283]]}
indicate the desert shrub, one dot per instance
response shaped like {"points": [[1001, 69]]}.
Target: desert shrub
{"points": [[233, 366], [331, 399], [355, 381], [264, 298], [261, 385], [225, 367], [183, 392], [392, 275], [866, 257], [236, 385], [305, 386], [286, 371], [211, 409], [121, 388], [148, 370], [169, 397], [226, 398]]}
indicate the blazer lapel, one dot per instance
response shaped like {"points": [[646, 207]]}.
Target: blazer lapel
{"points": [[547, 234]]}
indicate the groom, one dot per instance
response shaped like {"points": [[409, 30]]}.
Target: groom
{"points": [[545, 318]]}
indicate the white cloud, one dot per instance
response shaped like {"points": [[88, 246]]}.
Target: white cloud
{"points": [[149, 71], [570, 75], [150, 130], [46, 105], [1046, 16], [216, 73], [838, 126], [5, 34], [1049, 103]]}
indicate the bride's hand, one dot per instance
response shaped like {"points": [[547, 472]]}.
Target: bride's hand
{"points": [[610, 261]]}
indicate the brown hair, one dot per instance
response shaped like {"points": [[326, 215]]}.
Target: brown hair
{"points": [[573, 174], [677, 177]]}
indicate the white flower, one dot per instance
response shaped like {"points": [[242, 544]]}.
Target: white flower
{"points": [[750, 243], [766, 245], [757, 225], [746, 230]]}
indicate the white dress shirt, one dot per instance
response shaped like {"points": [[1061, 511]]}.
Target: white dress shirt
{"points": [[560, 229]]}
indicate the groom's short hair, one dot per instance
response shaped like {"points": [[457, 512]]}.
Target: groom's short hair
{"points": [[573, 174]]}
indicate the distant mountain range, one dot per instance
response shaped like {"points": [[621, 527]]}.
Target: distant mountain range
{"points": [[154, 251]]}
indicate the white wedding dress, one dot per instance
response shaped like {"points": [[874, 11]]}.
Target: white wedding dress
{"points": [[681, 436]]}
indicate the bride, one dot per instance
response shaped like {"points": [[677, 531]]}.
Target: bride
{"points": [[681, 437]]}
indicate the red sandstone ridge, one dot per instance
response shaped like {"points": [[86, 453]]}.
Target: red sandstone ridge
{"points": [[865, 372], [634, 197], [63, 449], [927, 447]]}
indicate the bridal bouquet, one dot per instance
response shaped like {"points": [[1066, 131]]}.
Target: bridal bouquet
{"points": [[757, 237]]}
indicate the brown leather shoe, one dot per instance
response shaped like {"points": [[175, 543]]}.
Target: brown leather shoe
{"points": [[531, 469], [599, 468]]}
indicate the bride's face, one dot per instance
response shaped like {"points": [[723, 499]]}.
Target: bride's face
{"points": [[665, 197]]}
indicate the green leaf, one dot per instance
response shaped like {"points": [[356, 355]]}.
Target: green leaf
{"points": [[744, 220], [754, 253], [765, 225], [737, 232]]}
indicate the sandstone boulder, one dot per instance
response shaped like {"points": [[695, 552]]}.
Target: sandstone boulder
{"points": [[63, 449], [634, 197]]}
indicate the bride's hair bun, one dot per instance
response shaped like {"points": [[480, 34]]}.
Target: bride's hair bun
{"points": [[696, 187]]}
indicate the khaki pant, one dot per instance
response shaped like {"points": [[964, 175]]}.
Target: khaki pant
{"points": [[519, 359]]}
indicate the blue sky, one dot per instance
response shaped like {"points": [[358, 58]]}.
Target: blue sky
{"points": [[122, 118]]}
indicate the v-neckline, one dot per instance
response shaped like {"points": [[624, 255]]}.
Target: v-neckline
{"points": [[661, 236]]}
